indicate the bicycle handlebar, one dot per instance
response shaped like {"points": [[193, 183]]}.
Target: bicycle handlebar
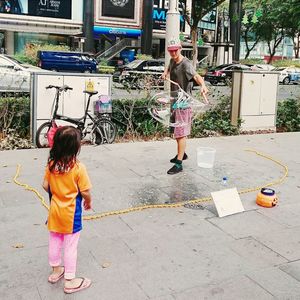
{"points": [[60, 88]]}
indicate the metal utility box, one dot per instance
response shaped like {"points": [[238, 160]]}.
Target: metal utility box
{"points": [[72, 103], [254, 99]]}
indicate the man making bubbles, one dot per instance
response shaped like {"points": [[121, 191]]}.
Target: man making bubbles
{"points": [[181, 71]]}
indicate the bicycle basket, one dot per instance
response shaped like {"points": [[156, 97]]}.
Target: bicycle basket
{"points": [[103, 105]]}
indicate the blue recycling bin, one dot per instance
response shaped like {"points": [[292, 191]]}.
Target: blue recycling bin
{"points": [[127, 55]]}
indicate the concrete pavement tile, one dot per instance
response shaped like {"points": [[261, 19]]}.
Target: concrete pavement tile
{"points": [[186, 191], [249, 201], [287, 193], [18, 198], [24, 224], [162, 217], [21, 294], [292, 268], [112, 226], [278, 283], [20, 280], [164, 297], [187, 228], [101, 250], [236, 288], [256, 253], [284, 242], [168, 276], [24, 260], [111, 288], [287, 214], [171, 249], [246, 224], [33, 236]]}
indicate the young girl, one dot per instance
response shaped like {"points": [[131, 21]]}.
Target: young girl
{"points": [[67, 182]]}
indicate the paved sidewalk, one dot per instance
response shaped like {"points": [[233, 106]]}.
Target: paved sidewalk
{"points": [[161, 254]]}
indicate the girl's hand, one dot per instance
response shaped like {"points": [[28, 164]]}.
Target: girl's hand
{"points": [[87, 199], [87, 204]]}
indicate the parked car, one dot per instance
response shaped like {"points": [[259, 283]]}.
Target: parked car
{"points": [[67, 61], [223, 73], [261, 67], [15, 75], [288, 75], [136, 72]]}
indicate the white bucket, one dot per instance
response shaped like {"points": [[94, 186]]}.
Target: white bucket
{"points": [[205, 157]]}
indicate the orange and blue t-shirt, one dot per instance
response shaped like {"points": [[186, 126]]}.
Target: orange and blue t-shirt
{"points": [[65, 214]]}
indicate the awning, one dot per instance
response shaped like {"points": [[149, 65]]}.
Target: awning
{"points": [[39, 25]]}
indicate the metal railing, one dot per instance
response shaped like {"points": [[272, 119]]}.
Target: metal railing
{"points": [[115, 49]]}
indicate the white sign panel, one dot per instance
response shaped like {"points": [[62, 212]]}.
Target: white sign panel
{"points": [[227, 202]]}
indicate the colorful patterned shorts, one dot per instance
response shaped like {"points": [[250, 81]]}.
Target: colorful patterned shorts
{"points": [[183, 116]]}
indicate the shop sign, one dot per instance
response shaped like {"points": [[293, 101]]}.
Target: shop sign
{"points": [[40, 8], [128, 32], [50, 8], [160, 9], [118, 8]]}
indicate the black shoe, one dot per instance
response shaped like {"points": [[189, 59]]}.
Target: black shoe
{"points": [[173, 160], [175, 169]]}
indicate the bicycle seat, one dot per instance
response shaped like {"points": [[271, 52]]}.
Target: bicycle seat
{"points": [[91, 92]]}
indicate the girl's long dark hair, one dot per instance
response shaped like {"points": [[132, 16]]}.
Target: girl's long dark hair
{"points": [[65, 148]]}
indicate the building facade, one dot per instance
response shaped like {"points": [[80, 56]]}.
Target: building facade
{"points": [[119, 19], [41, 21], [61, 22]]}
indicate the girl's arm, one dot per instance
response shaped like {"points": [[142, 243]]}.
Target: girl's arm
{"points": [[87, 203], [45, 185]]}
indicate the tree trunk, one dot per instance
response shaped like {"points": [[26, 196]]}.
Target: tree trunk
{"points": [[249, 49], [194, 34], [272, 50], [297, 46], [270, 58]]}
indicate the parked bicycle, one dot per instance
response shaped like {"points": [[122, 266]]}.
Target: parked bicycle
{"points": [[98, 127]]}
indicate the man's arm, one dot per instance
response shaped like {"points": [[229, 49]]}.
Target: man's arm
{"points": [[200, 81], [165, 74]]}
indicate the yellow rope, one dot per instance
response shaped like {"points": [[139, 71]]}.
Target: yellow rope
{"points": [[170, 205]]}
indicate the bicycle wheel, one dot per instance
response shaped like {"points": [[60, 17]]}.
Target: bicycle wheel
{"points": [[41, 138], [104, 132]]}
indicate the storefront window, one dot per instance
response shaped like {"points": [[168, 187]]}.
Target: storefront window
{"points": [[21, 39]]}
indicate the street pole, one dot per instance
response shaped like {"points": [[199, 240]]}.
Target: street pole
{"points": [[235, 13], [146, 42], [172, 31], [172, 26], [88, 25]]}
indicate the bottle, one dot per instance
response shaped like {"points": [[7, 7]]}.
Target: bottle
{"points": [[224, 180]]}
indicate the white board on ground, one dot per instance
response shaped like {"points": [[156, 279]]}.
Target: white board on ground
{"points": [[227, 202]]}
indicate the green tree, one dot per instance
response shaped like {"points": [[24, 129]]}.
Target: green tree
{"points": [[249, 29], [278, 20], [199, 9], [292, 23]]}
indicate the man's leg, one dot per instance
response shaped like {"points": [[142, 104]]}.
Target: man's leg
{"points": [[181, 146]]}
